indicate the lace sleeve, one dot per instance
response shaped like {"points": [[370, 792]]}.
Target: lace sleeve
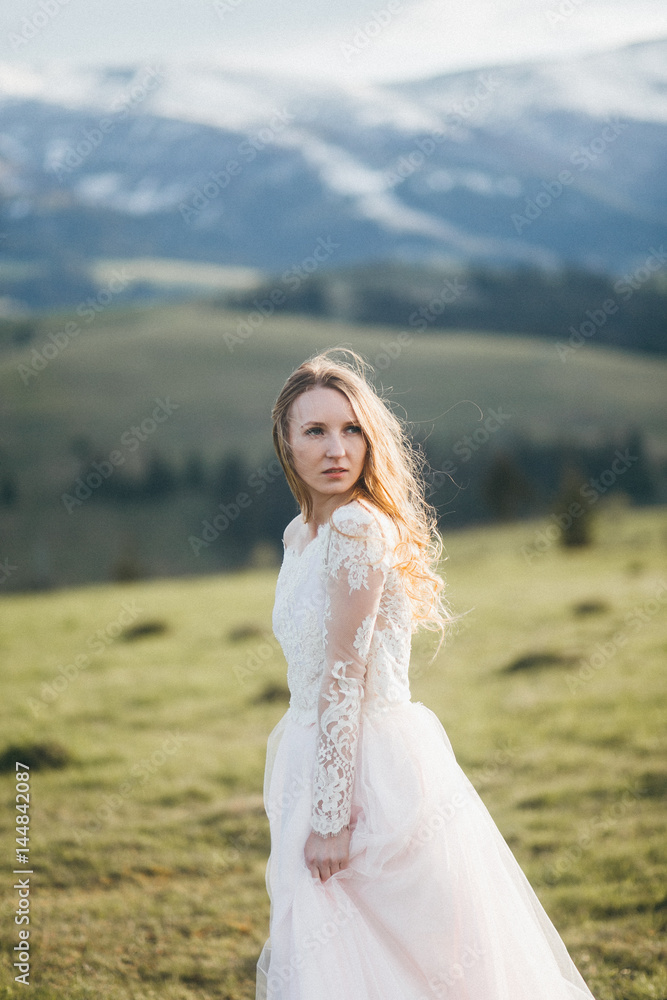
{"points": [[356, 574]]}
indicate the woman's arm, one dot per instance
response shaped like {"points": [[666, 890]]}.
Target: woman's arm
{"points": [[355, 581]]}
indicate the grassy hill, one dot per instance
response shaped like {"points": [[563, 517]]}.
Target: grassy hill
{"points": [[224, 383], [96, 375], [149, 841]]}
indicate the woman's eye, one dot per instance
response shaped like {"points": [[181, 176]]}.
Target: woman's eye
{"points": [[317, 431]]}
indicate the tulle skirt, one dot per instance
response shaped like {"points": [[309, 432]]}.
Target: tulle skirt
{"points": [[433, 903]]}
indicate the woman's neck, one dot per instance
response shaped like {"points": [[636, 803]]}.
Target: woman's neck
{"points": [[324, 506]]}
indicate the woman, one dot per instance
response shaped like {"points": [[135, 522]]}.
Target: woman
{"points": [[388, 878]]}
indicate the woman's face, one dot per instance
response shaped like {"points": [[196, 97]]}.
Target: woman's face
{"points": [[328, 447]]}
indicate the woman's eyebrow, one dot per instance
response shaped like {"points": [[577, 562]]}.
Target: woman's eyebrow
{"points": [[322, 423]]}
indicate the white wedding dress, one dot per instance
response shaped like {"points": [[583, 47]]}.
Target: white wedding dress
{"points": [[433, 903]]}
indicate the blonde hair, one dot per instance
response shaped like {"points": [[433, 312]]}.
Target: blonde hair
{"points": [[391, 479]]}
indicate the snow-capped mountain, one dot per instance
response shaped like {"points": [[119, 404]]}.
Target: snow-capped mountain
{"points": [[549, 164]]}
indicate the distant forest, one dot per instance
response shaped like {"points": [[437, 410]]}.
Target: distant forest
{"points": [[569, 306], [233, 509]]}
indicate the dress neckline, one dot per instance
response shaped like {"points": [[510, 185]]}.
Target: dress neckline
{"points": [[299, 552]]}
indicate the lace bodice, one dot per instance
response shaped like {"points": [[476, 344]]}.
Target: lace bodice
{"points": [[344, 623]]}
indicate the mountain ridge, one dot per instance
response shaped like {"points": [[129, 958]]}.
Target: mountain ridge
{"points": [[555, 165]]}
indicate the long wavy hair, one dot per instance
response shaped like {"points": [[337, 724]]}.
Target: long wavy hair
{"points": [[391, 480]]}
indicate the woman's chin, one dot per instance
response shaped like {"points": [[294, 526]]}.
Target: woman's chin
{"points": [[335, 488]]}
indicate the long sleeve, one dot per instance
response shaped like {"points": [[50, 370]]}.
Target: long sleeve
{"points": [[356, 574]]}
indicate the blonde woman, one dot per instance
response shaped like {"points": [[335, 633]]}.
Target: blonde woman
{"points": [[387, 877]]}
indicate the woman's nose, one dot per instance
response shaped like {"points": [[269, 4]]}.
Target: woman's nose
{"points": [[335, 445]]}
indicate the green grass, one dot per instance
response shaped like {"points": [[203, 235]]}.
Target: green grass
{"points": [[174, 275], [149, 847]]}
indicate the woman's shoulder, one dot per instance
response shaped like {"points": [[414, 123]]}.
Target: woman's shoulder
{"points": [[292, 531], [361, 513]]}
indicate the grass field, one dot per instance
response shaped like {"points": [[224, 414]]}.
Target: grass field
{"points": [[149, 845]]}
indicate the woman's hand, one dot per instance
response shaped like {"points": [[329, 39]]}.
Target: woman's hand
{"points": [[327, 855]]}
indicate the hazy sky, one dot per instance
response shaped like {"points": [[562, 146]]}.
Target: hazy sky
{"points": [[341, 39]]}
